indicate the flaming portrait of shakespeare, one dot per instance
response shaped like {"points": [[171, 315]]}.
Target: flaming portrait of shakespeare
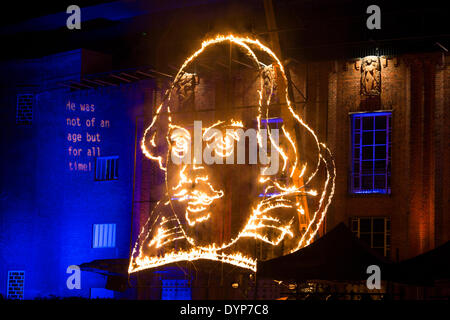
{"points": [[241, 167]]}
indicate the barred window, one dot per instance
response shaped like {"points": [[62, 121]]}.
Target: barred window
{"points": [[371, 153], [16, 284], [175, 290], [107, 168], [374, 231], [24, 112], [104, 235]]}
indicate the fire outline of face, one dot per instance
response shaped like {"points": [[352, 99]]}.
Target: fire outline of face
{"points": [[324, 156], [262, 208], [199, 202]]}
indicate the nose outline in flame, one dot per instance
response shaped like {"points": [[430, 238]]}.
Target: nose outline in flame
{"points": [[198, 201]]}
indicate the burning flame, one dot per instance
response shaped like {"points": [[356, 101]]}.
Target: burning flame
{"points": [[198, 202]]}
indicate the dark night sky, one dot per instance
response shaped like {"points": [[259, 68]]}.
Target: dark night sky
{"points": [[18, 11], [311, 28]]}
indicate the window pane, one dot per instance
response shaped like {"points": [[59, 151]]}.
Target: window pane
{"points": [[356, 122], [367, 182], [378, 240], [380, 122], [113, 169], [368, 123], [379, 182], [356, 167], [367, 138], [378, 224], [356, 139], [380, 137], [364, 225], [16, 282], [356, 183], [367, 167], [365, 237], [380, 152], [106, 168], [380, 166], [367, 153], [24, 112], [355, 225]]}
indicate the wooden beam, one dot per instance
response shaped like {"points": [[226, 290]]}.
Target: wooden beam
{"points": [[145, 74], [80, 84], [120, 78], [107, 83], [129, 76], [161, 73], [93, 82], [68, 85], [244, 64]]}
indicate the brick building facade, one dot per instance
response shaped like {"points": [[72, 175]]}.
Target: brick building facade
{"points": [[412, 88], [414, 91], [49, 212]]}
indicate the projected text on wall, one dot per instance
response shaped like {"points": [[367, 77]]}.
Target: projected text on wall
{"points": [[84, 135]]}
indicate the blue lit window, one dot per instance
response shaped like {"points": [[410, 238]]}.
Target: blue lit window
{"points": [[371, 153], [16, 283], [272, 120], [104, 235], [24, 109], [175, 290], [107, 168]]}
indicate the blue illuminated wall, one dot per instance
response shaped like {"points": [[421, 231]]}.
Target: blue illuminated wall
{"points": [[175, 285], [48, 210]]}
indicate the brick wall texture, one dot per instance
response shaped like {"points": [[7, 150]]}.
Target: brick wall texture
{"points": [[416, 88]]}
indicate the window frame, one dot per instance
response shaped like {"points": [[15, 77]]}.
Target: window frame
{"points": [[116, 168], [21, 121], [176, 289], [12, 276], [387, 232], [360, 190], [100, 242]]}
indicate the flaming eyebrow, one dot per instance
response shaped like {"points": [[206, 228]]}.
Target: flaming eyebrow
{"points": [[237, 123], [233, 123], [211, 127], [174, 126], [177, 132]]}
